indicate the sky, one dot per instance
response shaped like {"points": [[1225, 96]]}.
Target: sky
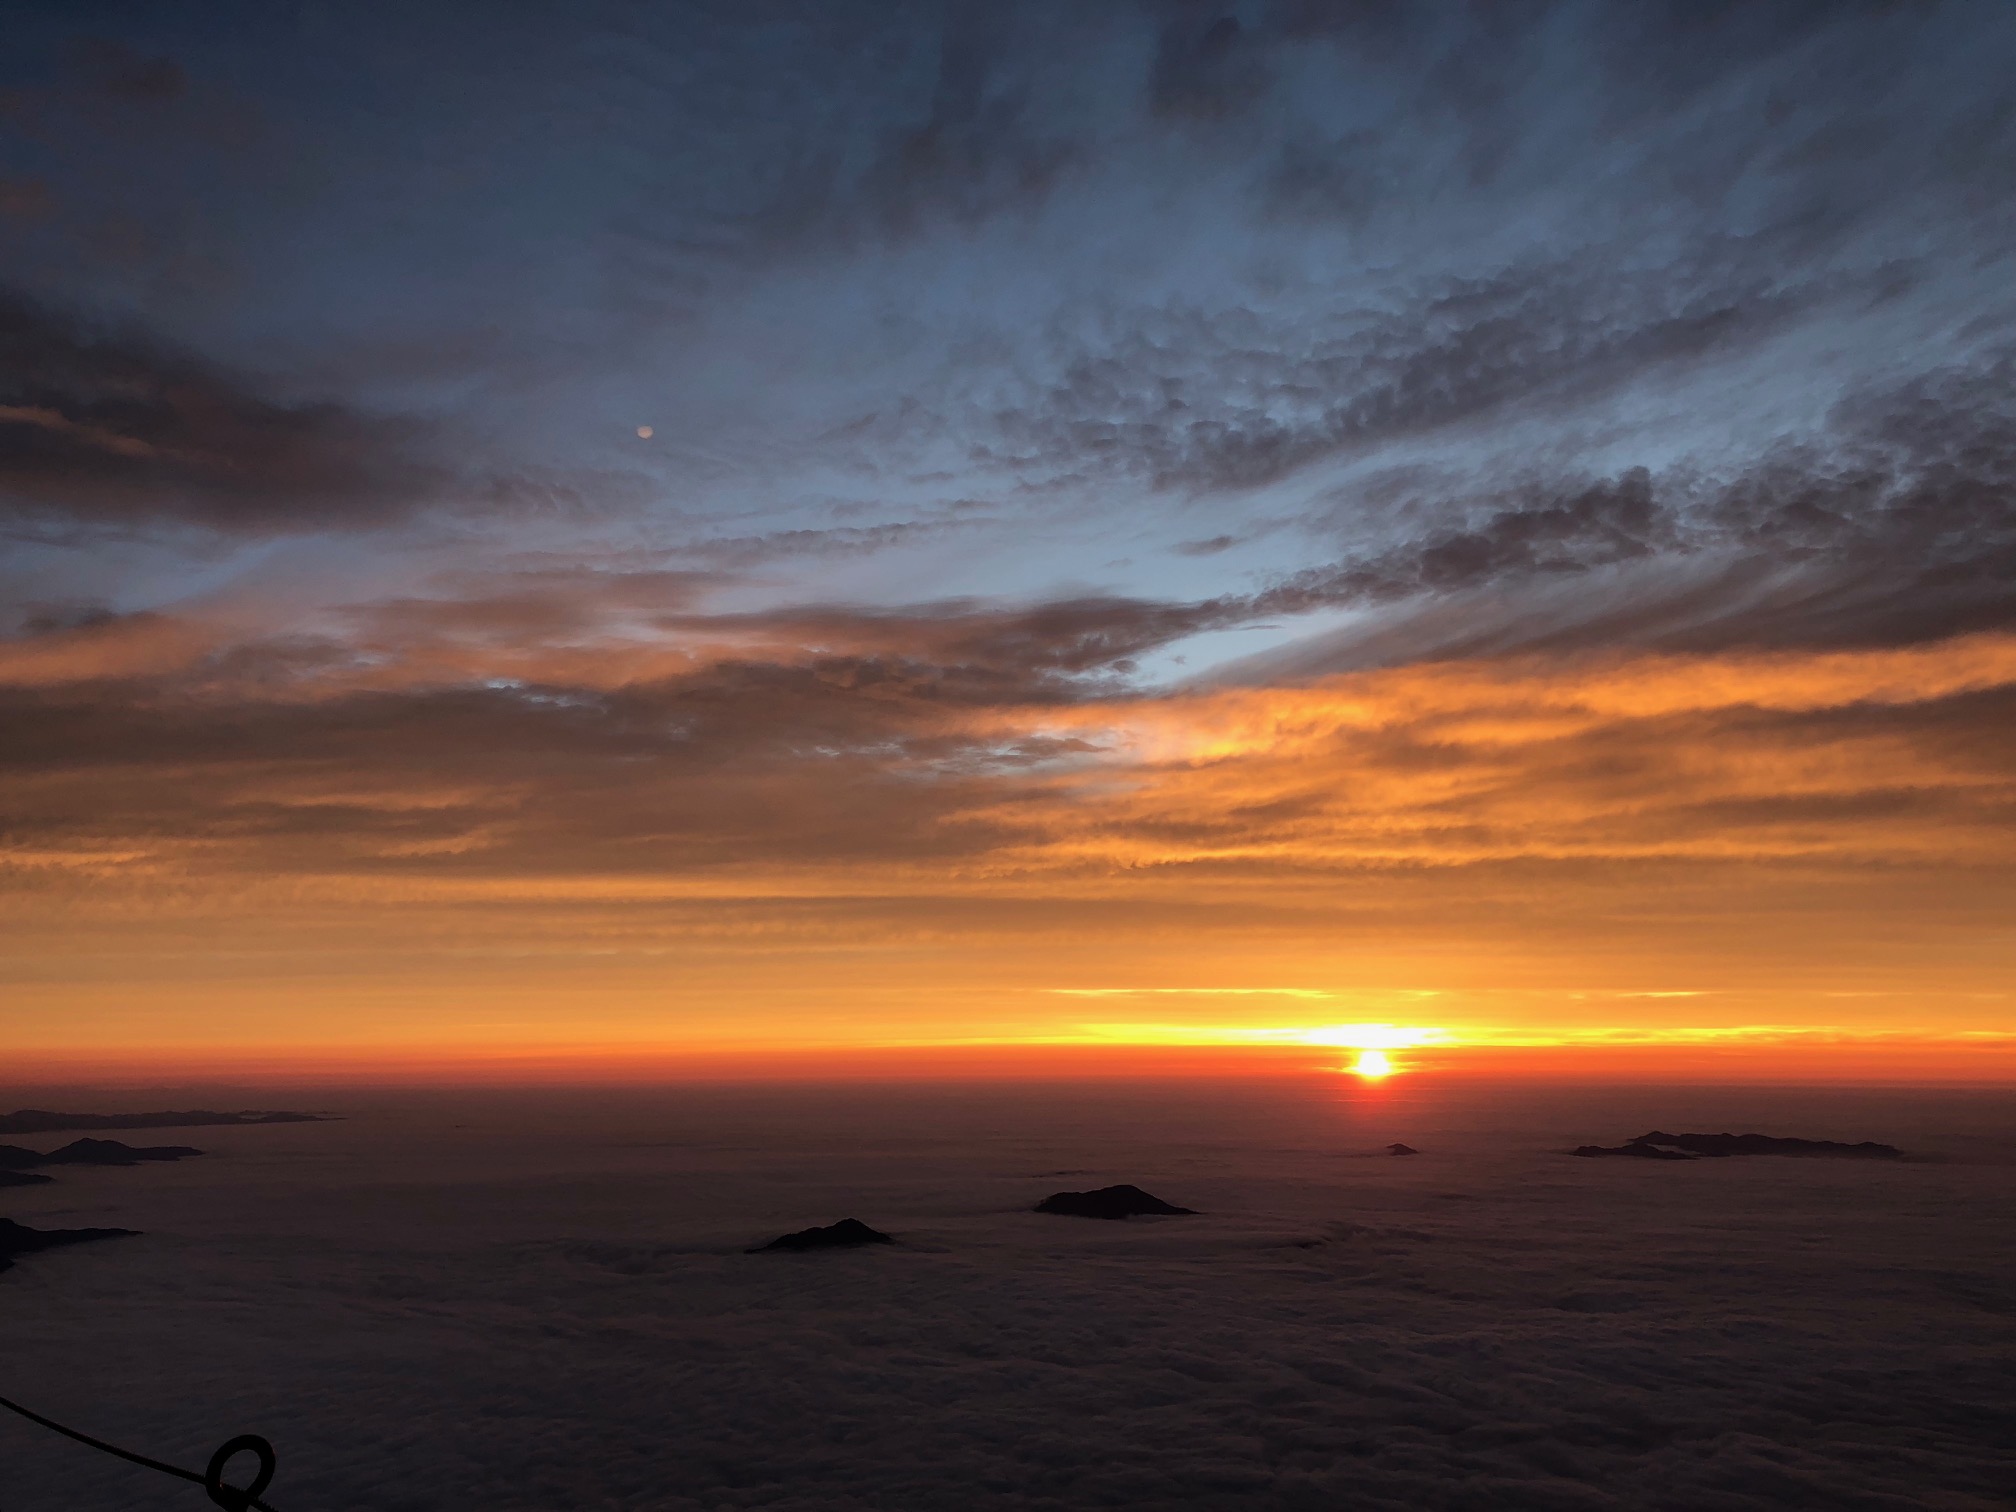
{"points": [[605, 533]]}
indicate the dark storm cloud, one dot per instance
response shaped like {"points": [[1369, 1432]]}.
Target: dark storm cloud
{"points": [[1202, 68], [854, 128], [953, 114], [1897, 524], [836, 129], [1705, 243], [1233, 400], [100, 426], [1758, 168], [979, 149], [1598, 525]]}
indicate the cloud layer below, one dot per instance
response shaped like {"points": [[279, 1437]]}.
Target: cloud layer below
{"points": [[523, 1301]]}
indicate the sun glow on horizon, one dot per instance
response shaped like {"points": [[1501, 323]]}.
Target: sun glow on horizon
{"points": [[1375, 1037], [1373, 1065], [1316, 1036]]}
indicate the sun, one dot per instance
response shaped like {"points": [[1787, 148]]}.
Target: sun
{"points": [[1372, 1065]]}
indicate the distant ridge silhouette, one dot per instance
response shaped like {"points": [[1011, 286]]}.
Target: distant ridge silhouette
{"points": [[1661, 1146], [19, 1239], [98, 1152], [42, 1121], [1768, 1144]]}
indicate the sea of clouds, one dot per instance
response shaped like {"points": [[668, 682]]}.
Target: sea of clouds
{"points": [[530, 1302]]}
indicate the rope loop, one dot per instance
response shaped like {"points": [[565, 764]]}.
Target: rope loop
{"points": [[231, 1498], [235, 1498]]}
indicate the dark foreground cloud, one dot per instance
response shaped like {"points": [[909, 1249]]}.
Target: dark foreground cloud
{"points": [[1487, 1325]]}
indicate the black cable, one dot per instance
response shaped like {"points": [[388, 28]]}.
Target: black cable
{"points": [[231, 1498]]}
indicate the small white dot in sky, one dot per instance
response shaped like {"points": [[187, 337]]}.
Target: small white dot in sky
{"points": [[643, 433]]}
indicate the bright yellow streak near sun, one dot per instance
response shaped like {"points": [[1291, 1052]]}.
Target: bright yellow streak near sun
{"points": [[1372, 1064], [1365, 1037], [1371, 1036]]}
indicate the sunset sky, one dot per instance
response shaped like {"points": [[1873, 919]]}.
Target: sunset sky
{"points": [[607, 535]]}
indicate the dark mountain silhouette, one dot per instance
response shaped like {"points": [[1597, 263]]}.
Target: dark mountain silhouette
{"points": [[1662, 1146], [1108, 1202], [1401, 1149], [98, 1152], [16, 1239], [20, 1178], [848, 1233], [42, 1121]]}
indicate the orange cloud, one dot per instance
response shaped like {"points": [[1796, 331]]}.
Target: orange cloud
{"points": [[1766, 756], [826, 849]]}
